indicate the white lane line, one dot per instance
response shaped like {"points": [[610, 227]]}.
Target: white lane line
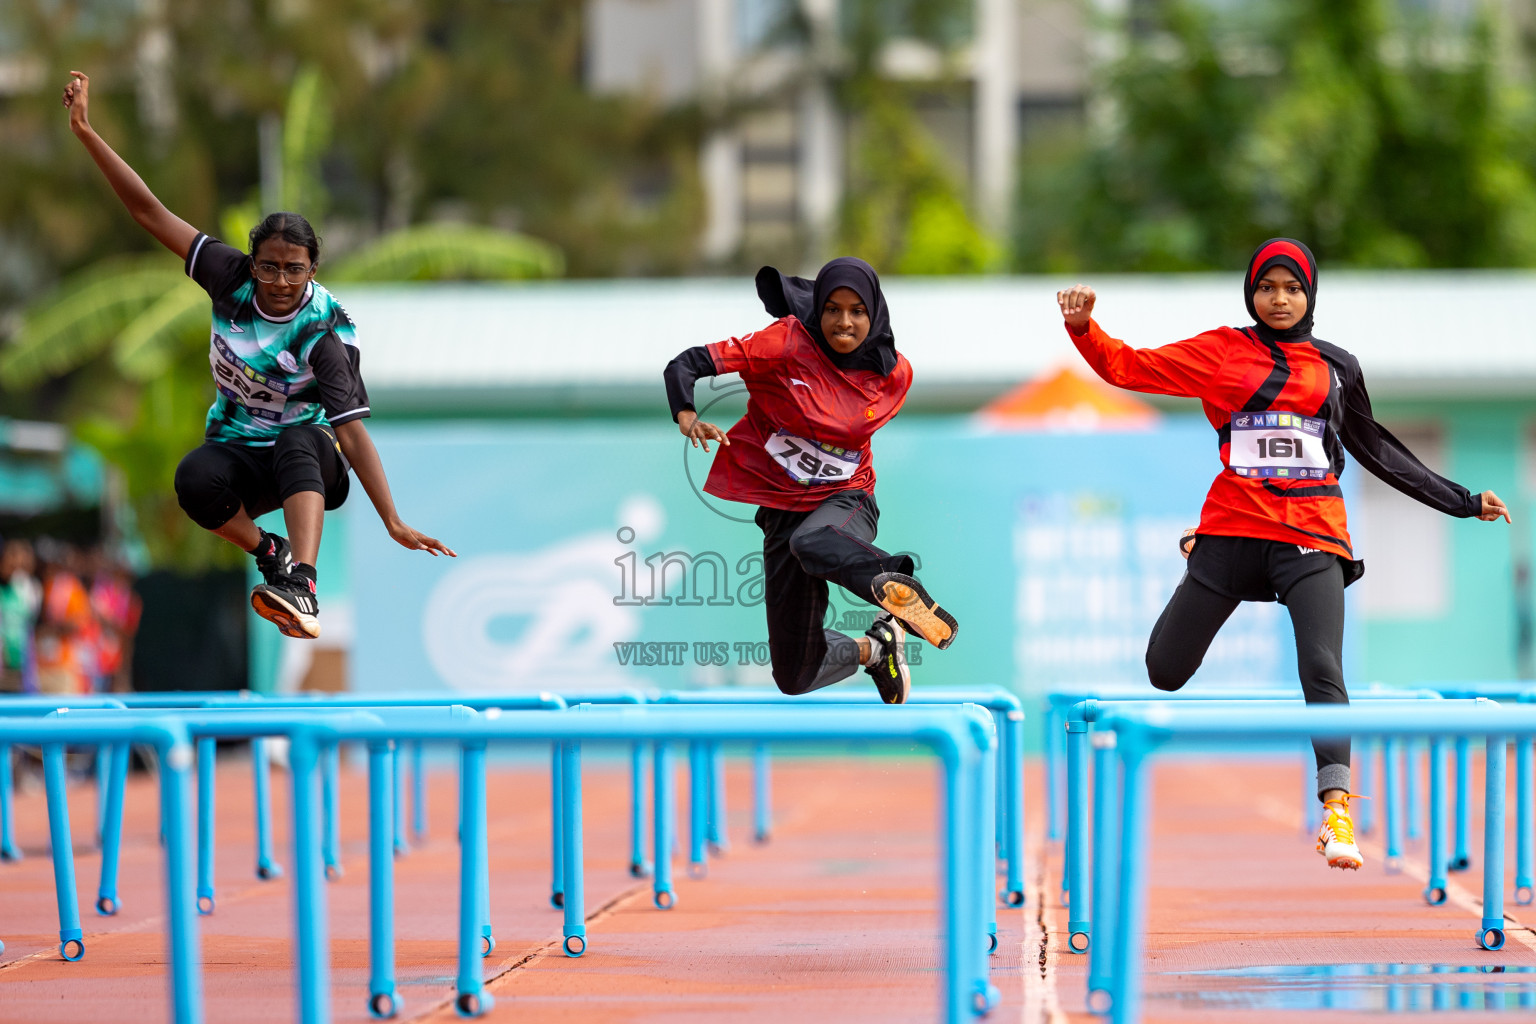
{"points": [[1041, 1005]]}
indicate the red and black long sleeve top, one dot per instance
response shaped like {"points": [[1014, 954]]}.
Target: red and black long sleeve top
{"points": [[1284, 412]]}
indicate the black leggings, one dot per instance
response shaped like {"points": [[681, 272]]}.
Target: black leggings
{"points": [[802, 551], [1195, 613], [217, 479]]}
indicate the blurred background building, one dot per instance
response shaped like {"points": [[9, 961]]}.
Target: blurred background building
{"points": [[531, 206]]}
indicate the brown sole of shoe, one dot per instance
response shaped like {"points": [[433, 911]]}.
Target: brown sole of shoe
{"points": [[919, 612], [289, 621]]}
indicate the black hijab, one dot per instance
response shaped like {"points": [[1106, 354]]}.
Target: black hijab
{"points": [[784, 295], [1298, 259]]}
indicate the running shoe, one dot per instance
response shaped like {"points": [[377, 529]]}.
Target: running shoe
{"points": [[888, 659], [1336, 839], [273, 557], [1187, 542], [290, 603], [905, 598]]}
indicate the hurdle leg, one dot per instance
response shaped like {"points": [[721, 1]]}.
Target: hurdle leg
{"points": [[487, 935], [207, 768], [402, 846], [1311, 809], [1012, 763], [1053, 738], [1461, 860], [638, 868], [575, 925], [762, 800], [698, 808], [1391, 812], [418, 794], [107, 902], [1106, 859], [1079, 931], [1364, 812], [9, 851], [1435, 888], [556, 828], [261, 773], [960, 998], [71, 939], [984, 994], [1491, 935], [1525, 827], [383, 1000], [1413, 792], [1126, 981], [663, 816], [103, 784], [313, 947], [471, 1000], [182, 947], [330, 800], [719, 841]]}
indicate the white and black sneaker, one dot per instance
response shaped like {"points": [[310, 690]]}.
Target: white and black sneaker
{"points": [[273, 557], [289, 601], [888, 659]]}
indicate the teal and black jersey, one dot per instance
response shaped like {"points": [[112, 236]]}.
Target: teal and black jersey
{"points": [[273, 372]]}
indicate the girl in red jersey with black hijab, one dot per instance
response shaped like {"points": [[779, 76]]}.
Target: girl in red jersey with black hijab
{"points": [[1286, 407], [821, 379]]}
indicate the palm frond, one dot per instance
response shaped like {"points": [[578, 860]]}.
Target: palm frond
{"points": [[77, 321], [159, 334], [451, 252]]}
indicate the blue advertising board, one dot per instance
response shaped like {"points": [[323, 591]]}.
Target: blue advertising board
{"points": [[590, 558]]}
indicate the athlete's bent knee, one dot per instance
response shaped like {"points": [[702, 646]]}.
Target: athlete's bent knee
{"points": [[1166, 677], [203, 492], [794, 684]]}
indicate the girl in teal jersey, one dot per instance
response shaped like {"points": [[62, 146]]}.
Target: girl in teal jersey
{"points": [[286, 423]]}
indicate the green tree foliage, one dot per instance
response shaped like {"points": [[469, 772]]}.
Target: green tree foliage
{"points": [[1381, 137]]}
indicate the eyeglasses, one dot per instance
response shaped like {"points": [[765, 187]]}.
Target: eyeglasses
{"points": [[293, 273]]}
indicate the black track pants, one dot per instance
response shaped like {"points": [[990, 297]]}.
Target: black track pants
{"points": [[802, 553], [1316, 602]]}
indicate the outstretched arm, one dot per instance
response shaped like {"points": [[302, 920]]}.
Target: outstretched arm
{"points": [[1184, 368], [1390, 461], [358, 447], [171, 231]]}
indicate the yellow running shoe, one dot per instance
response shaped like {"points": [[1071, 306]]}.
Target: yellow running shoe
{"points": [[1336, 839]]}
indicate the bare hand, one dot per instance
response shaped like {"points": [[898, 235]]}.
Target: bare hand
{"points": [[1493, 508], [699, 432], [1076, 304], [77, 99], [409, 537]]}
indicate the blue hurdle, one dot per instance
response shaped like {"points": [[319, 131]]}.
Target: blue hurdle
{"points": [[1139, 732]]}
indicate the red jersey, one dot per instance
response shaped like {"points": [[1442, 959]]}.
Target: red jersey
{"points": [[806, 434], [1284, 413]]}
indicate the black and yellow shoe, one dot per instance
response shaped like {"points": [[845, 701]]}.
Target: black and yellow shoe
{"points": [[888, 659], [905, 598], [290, 603]]}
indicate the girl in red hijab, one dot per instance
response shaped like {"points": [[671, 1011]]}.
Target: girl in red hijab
{"points": [[1286, 407]]}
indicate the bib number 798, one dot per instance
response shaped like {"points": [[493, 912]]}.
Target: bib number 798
{"points": [[810, 462]]}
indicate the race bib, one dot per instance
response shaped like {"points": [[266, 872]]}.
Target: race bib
{"points": [[811, 462], [261, 395], [1283, 444]]}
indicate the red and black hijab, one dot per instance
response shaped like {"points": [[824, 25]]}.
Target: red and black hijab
{"points": [[1298, 259]]}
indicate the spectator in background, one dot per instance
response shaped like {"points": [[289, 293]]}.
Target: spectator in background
{"points": [[21, 597], [67, 630], [116, 608]]}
